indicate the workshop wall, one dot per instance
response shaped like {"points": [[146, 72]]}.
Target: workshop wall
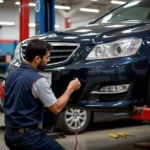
{"points": [[83, 18], [11, 13], [7, 46]]}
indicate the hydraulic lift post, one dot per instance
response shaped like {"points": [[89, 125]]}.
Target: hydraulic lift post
{"points": [[45, 16], [45, 22], [24, 19]]}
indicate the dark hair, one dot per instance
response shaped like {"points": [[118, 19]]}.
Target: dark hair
{"points": [[35, 48]]}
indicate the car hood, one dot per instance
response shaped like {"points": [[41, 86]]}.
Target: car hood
{"points": [[95, 33]]}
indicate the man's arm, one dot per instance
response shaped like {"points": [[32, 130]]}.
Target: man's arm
{"points": [[41, 89], [61, 102]]}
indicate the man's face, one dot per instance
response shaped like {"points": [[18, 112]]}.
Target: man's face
{"points": [[44, 60]]}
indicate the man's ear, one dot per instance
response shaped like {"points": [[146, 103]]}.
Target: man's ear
{"points": [[37, 59]]}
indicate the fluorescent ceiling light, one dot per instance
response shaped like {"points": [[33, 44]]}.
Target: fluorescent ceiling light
{"points": [[94, 0], [56, 6], [17, 3], [118, 2], [62, 7], [89, 10], [56, 26], [30, 4], [1, 1], [33, 25], [7, 23]]}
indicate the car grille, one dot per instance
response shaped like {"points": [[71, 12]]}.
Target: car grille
{"points": [[61, 51]]}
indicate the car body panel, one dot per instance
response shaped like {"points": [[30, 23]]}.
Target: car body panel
{"points": [[100, 33]]}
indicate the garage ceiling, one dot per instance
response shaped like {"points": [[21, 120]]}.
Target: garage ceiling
{"points": [[99, 4], [95, 4]]}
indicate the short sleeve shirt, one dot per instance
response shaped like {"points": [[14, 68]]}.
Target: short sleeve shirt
{"points": [[42, 90]]}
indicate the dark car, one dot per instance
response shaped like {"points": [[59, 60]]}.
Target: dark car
{"points": [[110, 56]]}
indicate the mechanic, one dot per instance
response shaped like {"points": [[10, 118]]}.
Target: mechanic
{"points": [[26, 93]]}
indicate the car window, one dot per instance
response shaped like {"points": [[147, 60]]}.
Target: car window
{"points": [[134, 10], [132, 14]]}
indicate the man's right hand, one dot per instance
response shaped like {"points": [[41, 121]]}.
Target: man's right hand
{"points": [[62, 101], [74, 85]]}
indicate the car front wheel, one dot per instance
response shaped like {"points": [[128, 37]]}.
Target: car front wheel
{"points": [[71, 119]]}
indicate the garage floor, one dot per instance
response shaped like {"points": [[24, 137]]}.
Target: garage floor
{"points": [[96, 138]]}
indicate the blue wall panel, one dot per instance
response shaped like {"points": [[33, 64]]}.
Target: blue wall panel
{"points": [[7, 47]]}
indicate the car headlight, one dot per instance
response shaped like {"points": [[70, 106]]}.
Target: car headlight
{"points": [[120, 48], [17, 52]]}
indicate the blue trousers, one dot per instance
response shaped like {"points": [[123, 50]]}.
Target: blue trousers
{"points": [[33, 140]]}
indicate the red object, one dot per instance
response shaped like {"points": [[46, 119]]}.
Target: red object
{"points": [[68, 22], [24, 19], [76, 137], [141, 113], [2, 90], [6, 41]]}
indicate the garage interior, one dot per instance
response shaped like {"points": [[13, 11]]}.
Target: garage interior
{"points": [[78, 27]]}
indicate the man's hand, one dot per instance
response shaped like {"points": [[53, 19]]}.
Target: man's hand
{"points": [[62, 101], [74, 85]]}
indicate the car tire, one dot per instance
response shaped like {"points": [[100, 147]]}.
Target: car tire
{"points": [[69, 119]]}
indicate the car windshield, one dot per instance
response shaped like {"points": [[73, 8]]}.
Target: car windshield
{"points": [[134, 10]]}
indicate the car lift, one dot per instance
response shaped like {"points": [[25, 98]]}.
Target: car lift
{"points": [[141, 113]]}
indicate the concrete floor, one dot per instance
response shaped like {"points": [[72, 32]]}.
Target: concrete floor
{"points": [[97, 137]]}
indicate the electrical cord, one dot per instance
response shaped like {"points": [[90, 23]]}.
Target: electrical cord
{"points": [[76, 134], [76, 137]]}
